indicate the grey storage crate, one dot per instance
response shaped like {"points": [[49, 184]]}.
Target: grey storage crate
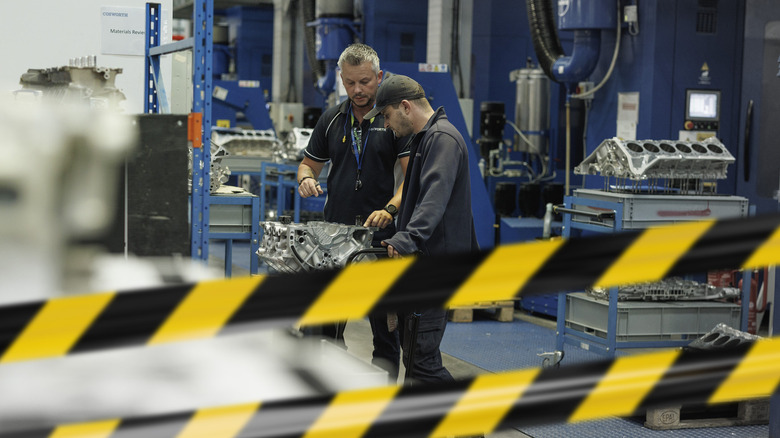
{"points": [[649, 321], [639, 211], [230, 218]]}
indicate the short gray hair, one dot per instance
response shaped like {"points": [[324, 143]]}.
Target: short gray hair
{"points": [[357, 54]]}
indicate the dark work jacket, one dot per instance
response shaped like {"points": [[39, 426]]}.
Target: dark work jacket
{"points": [[435, 216]]}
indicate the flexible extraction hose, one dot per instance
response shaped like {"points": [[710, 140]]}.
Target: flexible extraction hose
{"points": [[611, 64], [310, 37], [544, 34]]}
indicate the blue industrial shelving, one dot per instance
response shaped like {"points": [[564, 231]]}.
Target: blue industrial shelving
{"points": [[156, 101], [281, 184], [250, 232]]}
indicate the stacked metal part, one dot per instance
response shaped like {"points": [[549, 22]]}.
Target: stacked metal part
{"points": [[670, 289], [722, 336], [290, 248], [682, 167], [219, 173], [81, 81]]}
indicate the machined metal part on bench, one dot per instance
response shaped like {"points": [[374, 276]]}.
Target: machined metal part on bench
{"points": [[662, 164], [670, 289], [79, 81], [722, 336], [219, 172], [289, 247], [249, 142]]}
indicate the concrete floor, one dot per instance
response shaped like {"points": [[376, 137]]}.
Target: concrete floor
{"points": [[357, 336]]}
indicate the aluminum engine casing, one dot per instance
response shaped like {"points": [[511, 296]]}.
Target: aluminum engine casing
{"points": [[290, 247], [658, 159]]}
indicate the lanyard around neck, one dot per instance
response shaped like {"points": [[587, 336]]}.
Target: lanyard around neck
{"points": [[356, 149]]}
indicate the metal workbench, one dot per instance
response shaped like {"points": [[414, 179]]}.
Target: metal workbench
{"points": [[234, 217]]}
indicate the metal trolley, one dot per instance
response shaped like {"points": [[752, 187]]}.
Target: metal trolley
{"points": [[605, 327]]}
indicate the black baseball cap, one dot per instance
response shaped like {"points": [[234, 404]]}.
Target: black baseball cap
{"points": [[393, 90]]}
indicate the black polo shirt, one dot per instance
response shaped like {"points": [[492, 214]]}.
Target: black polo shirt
{"points": [[332, 140]]}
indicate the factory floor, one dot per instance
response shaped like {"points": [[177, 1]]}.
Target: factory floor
{"points": [[357, 336]]}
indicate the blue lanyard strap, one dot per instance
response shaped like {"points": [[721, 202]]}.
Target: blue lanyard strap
{"points": [[356, 149]]}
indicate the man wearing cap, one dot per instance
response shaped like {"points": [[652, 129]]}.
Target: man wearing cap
{"points": [[361, 179], [435, 214]]}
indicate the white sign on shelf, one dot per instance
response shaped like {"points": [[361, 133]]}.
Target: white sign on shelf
{"points": [[122, 30], [627, 115]]}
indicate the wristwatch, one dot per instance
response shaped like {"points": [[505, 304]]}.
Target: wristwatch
{"points": [[390, 208]]}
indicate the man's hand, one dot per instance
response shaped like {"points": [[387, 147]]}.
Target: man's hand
{"points": [[379, 218], [309, 187], [391, 252]]}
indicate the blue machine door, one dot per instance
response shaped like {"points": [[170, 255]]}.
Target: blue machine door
{"points": [[758, 159]]}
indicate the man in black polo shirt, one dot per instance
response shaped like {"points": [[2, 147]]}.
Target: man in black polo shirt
{"points": [[361, 179]]}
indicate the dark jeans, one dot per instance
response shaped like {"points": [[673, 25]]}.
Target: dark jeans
{"points": [[427, 366], [387, 345]]}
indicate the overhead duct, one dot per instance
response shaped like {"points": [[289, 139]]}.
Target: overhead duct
{"points": [[333, 31], [586, 18]]}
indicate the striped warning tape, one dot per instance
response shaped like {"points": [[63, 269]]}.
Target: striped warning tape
{"points": [[622, 387], [83, 323]]}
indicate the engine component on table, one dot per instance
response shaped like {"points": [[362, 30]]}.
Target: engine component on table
{"points": [[296, 142], [722, 336], [82, 80], [249, 142], [219, 173], [290, 247], [670, 289], [663, 164]]}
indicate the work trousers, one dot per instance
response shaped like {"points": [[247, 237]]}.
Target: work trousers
{"points": [[387, 345], [427, 366]]}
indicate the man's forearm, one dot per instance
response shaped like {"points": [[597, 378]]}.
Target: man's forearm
{"points": [[396, 199], [306, 171]]}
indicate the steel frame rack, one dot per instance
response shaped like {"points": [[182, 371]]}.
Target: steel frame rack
{"points": [[610, 345], [200, 121]]}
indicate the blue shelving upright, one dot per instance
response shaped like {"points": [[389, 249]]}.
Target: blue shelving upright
{"points": [[155, 101]]}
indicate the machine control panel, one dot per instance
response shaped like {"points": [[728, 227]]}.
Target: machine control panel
{"points": [[702, 110], [700, 126]]}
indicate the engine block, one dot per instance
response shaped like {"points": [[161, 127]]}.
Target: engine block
{"points": [[289, 247], [661, 163]]}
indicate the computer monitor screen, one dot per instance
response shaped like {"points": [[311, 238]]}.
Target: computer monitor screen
{"points": [[703, 105]]}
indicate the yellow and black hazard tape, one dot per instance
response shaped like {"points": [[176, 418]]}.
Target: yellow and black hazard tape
{"points": [[623, 387], [106, 320]]}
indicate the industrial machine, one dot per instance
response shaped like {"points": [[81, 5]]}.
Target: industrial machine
{"points": [[333, 29], [243, 47]]}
